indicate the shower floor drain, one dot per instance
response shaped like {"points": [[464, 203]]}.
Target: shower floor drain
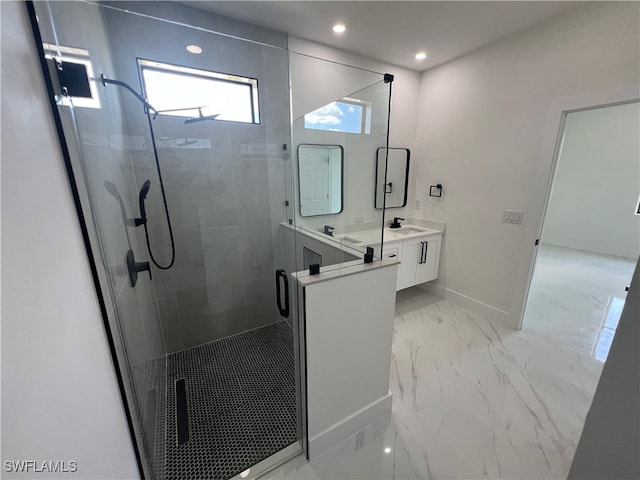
{"points": [[241, 404]]}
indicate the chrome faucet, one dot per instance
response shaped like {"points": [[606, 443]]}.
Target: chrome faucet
{"points": [[329, 230]]}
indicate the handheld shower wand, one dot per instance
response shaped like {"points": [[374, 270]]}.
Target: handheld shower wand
{"points": [[142, 196], [147, 184], [113, 191]]}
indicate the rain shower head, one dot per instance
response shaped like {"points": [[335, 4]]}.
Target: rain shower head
{"points": [[186, 142], [201, 118]]}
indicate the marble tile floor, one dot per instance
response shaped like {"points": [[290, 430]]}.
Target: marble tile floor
{"points": [[474, 399]]}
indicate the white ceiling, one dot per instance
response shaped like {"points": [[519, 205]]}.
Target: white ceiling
{"points": [[393, 31]]}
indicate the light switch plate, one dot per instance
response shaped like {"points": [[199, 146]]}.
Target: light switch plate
{"points": [[512, 216]]}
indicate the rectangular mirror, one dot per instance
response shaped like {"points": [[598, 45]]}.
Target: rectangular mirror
{"points": [[396, 186], [320, 169]]}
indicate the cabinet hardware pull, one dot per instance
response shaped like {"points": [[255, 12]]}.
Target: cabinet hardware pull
{"points": [[426, 249]]}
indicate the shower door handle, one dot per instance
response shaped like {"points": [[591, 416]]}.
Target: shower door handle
{"points": [[283, 311]]}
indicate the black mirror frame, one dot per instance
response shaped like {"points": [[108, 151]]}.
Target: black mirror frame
{"points": [[406, 180]]}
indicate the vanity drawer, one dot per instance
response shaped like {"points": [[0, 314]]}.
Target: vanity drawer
{"points": [[392, 251]]}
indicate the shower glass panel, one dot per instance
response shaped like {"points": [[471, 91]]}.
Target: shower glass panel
{"points": [[347, 109], [186, 213]]}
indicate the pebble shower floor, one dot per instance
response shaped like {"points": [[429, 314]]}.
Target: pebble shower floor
{"points": [[241, 404]]}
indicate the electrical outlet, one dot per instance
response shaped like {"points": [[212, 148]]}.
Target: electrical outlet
{"points": [[512, 216], [417, 204], [359, 219]]}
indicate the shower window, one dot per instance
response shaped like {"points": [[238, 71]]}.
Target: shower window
{"points": [[188, 92], [348, 115]]}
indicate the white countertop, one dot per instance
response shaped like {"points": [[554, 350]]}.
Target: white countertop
{"points": [[355, 242], [408, 231], [341, 270], [372, 237]]}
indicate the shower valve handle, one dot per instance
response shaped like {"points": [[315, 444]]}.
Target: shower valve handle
{"points": [[135, 268]]}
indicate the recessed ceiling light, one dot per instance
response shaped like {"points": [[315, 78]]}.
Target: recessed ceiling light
{"points": [[421, 55], [339, 28], [387, 450], [194, 49]]}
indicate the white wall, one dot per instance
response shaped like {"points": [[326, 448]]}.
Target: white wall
{"points": [[597, 183], [60, 399], [610, 440], [481, 125]]}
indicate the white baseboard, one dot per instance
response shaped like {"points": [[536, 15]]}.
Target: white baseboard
{"points": [[471, 303], [349, 426]]}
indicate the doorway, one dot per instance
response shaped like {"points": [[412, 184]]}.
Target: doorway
{"points": [[590, 238]]}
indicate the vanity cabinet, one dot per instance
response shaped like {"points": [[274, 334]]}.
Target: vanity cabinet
{"points": [[420, 257]]}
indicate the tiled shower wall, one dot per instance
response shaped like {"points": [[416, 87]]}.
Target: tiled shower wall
{"points": [[225, 182]]}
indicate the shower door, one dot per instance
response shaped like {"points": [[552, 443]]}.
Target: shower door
{"points": [[180, 148]]}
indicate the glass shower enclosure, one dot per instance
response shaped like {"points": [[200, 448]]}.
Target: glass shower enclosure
{"points": [[184, 154]]}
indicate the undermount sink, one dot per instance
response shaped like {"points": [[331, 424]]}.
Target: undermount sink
{"points": [[350, 240], [407, 230]]}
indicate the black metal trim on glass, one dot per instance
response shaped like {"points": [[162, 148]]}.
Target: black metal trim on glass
{"points": [[64, 150], [284, 311], [389, 77]]}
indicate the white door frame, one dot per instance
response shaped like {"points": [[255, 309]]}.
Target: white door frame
{"points": [[547, 161]]}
